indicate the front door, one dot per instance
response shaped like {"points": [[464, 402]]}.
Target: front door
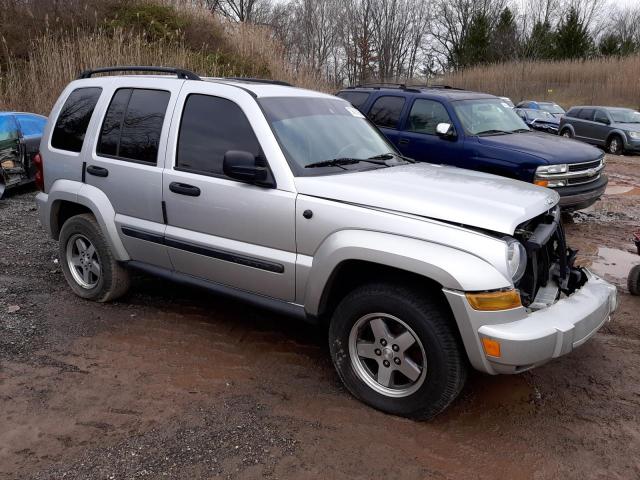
{"points": [[232, 233]]}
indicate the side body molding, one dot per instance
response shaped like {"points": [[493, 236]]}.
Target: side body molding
{"points": [[453, 269], [92, 198]]}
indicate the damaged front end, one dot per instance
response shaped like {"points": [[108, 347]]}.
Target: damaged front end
{"points": [[550, 270], [15, 168]]}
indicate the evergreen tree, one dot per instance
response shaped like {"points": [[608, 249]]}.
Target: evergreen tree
{"points": [[540, 44], [614, 44], [572, 39], [504, 39], [475, 48]]}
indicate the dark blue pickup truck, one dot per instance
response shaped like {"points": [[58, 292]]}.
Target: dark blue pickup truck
{"points": [[478, 131]]}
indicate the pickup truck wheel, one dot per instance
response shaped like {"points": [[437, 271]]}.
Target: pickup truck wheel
{"points": [[615, 145], [87, 262], [397, 350], [633, 280]]}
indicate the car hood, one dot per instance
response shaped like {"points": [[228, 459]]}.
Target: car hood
{"points": [[553, 149], [445, 193], [634, 127]]}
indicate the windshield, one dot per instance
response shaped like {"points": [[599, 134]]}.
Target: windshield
{"points": [[624, 115], [312, 130], [551, 108], [488, 116]]}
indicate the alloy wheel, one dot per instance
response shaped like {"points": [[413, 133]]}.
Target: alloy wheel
{"points": [[387, 355], [83, 261]]}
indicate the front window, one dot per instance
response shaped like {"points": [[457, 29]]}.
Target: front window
{"points": [[312, 130], [624, 115], [488, 116], [552, 108]]}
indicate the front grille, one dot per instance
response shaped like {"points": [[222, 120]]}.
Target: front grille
{"points": [[578, 167], [585, 172], [582, 180]]}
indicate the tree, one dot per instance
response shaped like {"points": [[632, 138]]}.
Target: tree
{"points": [[504, 39], [572, 38], [475, 46], [541, 41]]}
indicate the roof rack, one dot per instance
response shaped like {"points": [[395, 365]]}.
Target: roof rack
{"points": [[379, 85], [258, 80], [179, 72]]}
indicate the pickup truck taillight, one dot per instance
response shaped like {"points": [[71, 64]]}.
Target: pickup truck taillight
{"points": [[39, 176]]}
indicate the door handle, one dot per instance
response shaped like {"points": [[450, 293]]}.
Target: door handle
{"points": [[97, 171], [184, 189], [403, 141]]}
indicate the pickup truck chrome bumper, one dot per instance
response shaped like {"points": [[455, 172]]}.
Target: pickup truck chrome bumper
{"points": [[528, 339]]}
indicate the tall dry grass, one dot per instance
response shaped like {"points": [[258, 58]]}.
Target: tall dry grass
{"points": [[56, 57], [610, 81]]}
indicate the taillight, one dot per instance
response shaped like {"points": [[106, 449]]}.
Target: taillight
{"points": [[39, 176]]}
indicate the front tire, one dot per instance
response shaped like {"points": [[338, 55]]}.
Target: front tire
{"points": [[87, 262], [633, 280], [566, 133], [397, 350], [615, 145]]}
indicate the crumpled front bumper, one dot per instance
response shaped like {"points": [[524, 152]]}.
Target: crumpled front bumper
{"points": [[528, 339]]}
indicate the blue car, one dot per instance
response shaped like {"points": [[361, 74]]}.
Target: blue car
{"points": [[20, 135], [478, 131], [549, 107]]}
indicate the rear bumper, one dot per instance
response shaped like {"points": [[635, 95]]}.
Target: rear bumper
{"points": [[582, 196], [528, 339]]}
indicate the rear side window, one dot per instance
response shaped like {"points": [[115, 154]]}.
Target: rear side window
{"points": [[357, 99], [426, 115], [385, 112], [210, 127], [586, 114], [31, 125], [74, 117], [132, 125], [573, 112]]}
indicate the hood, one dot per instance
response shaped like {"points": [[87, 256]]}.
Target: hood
{"points": [[633, 127], [553, 149], [445, 193]]}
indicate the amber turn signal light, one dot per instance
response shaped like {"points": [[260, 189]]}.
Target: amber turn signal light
{"points": [[491, 347], [542, 183], [493, 301]]}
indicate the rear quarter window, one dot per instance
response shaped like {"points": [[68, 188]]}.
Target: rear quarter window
{"points": [[73, 120]]}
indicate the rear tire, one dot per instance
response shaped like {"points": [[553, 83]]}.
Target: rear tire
{"points": [[87, 262], [615, 146], [398, 330], [633, 280]]}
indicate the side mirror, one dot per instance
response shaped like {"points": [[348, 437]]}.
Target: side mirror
{"points": [[445, 130], [246, 167]]}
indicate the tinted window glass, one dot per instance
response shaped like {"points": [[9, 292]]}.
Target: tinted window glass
{"points": [[8, 128], [601, 117], [142, 125], [385, 112], [426, 115], [573, 112], [586, 114], [31, 125], [72, 123], [210, 127], [357, 99], [110, 133]]}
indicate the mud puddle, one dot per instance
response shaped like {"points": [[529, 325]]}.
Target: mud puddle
{"points": [[613, 264]]}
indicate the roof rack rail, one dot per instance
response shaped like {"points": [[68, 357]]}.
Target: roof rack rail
{"points": [[446, 87], [179, 72], [258, 80], [378, 86]]}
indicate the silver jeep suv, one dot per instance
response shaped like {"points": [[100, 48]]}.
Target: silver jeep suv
{"points": [[292, 200]]}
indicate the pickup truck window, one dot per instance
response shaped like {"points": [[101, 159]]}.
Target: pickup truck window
{"points": [[312, 130], [132, 125], [425, 116], [386, 110], [210, 127], [488, 116], [73, 120]]}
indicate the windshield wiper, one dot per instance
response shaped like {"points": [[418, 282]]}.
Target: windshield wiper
{"points": [[335, 162], [493, 132], [390, 155], [522, 130]]}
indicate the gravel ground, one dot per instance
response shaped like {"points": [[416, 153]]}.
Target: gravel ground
{"points": [[171, 382]]}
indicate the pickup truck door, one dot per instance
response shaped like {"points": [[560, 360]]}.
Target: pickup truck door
{"points": [[418, 139], [218, 229], [127, 158]]}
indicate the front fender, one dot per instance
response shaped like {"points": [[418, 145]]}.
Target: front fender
{"points": [[453, 269], [88, 196]]}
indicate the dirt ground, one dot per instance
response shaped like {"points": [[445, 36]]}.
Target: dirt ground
{"points": [[172, 382]]}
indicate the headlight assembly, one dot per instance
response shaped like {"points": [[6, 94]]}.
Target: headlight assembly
{"points": [[516, 259], [634, 135]]}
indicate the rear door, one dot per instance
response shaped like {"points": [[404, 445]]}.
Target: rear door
{"points": [[127, 161], [583, 125], [219, 229], [386, 113], [419, 140]]}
